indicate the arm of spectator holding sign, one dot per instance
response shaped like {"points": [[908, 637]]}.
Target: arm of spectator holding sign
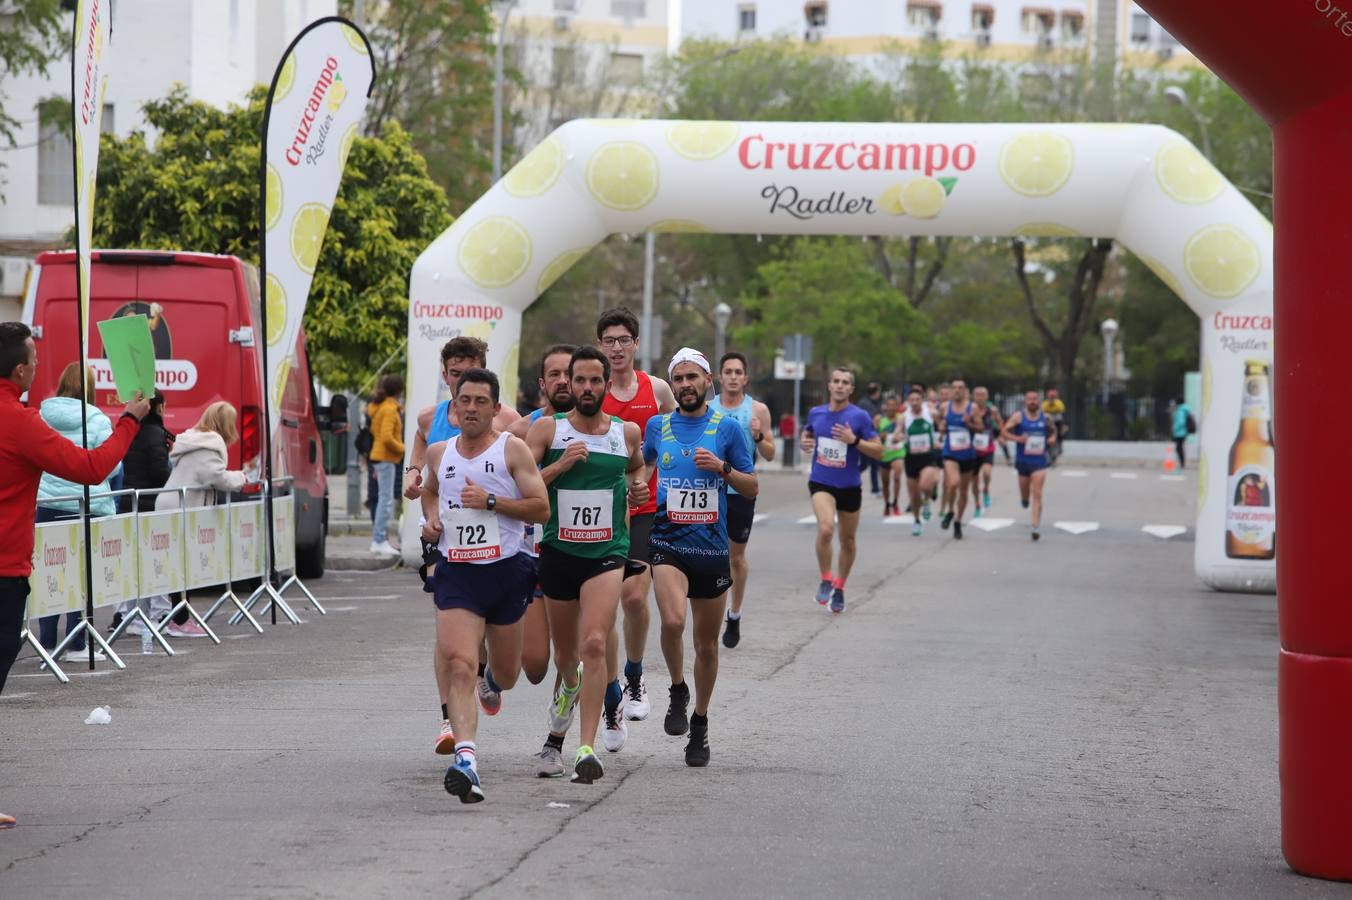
{"points": [[47, 451]]}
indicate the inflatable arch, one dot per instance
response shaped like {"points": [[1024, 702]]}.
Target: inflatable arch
{"points": [[1142, 184]]}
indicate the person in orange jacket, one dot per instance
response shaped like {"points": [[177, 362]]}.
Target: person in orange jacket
{"points": [[387, 455]]}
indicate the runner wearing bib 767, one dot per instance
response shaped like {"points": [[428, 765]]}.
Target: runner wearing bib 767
{"points": [[583, 555], [482, 488], [836, 434]]}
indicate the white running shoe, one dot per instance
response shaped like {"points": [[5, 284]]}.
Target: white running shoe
{"points": [[564, 707], [77, 656], [614, 730], [636, 706], [549, 763], [383, 548]]}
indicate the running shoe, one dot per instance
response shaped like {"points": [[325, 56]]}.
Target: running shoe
{"points": [[462, 781], [916, 529], [824, 593], [977, 514], [697, 749], [677, 722], [445, 743], [82, 655], [636, 706], [732, 632], [957, 531], [587, 768], [614, 730], [946, 521], [564, 707], [986, 499], [7, 821], [1036, 535], [838, 601], [925, 512], [490, 701], [1023, 503], [549, 762], [188, 629]]}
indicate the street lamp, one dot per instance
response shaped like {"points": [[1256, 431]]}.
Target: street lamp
{"points": [[722, 316], [1179, 97], [505, 8], [1109, 330]]}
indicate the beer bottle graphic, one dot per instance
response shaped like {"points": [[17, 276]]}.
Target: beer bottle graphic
{"points": [[1251, 497]]}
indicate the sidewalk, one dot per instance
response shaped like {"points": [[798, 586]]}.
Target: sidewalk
{"points": [[349, 540]]}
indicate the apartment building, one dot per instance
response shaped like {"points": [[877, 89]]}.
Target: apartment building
{"points": [[216, 49]]}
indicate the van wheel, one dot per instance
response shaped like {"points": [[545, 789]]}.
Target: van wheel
{"points": [[310, 560]]}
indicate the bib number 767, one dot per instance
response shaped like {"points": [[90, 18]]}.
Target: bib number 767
{"points": [[586, 517]]}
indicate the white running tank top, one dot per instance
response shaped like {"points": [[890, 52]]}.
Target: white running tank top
{"points": [[477, 535]]}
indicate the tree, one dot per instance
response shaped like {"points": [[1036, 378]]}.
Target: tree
{"points": [[34, 34], [1062, 338], [434, 62], [197, 189]]}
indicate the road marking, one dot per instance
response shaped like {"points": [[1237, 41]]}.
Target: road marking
{"points": [[362, 597], [1172, 478], [758, 518], [342, 608], [18, 696], [898, 520], [808, 520], [1127, 476], [1164, 532], [235, 637], [1077, 527], [989, 524], [1075, 473], [85, 674]]}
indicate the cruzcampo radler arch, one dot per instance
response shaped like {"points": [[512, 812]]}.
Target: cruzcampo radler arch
{"points": [[1141, 184]]}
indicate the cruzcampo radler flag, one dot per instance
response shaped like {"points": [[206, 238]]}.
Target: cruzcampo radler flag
{"points": [[89, 80], [314, 112]]}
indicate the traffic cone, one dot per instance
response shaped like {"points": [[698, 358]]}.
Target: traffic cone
{"points": [[1169, 462]]}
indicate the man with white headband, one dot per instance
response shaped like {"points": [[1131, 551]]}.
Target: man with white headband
{"points": [[696, 452]]}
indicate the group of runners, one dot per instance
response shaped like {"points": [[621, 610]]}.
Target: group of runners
{"points": [[537, 530]]}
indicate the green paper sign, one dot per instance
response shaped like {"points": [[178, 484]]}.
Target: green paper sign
{"points": [[131, 355]]}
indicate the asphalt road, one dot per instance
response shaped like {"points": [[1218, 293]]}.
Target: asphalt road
{"points": [[990, 718]]}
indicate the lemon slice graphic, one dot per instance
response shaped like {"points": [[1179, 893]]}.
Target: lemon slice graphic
{"points": [[1201, 478], [1037, 164], [560, 264], [279, 387], [1185, 174], [307, 235], [1162, 272], [1222, 260], [285, 79], [538, 172], [923, 197], [701, 140], [495, 252], [355, 40], [889, 201], [623, 175], [345, 147], [275, 297], [272, 198]]}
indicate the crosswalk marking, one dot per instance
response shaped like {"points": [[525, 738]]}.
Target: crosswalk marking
{"points": [[1077, 527], [1074, 473], [758, 518], [989, 524], [1172, 478], [1127, 476], [1164, 532]]}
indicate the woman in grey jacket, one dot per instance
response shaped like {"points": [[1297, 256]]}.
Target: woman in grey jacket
{"points": [[200, 463]]}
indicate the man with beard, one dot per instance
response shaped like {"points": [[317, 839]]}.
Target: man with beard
{"points": [[1035, 433], [697, 453], [482, 487], [636, 397], [585, 546], [957, 420]]}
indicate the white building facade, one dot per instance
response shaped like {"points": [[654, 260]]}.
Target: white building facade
{"points": [[216, 49]]}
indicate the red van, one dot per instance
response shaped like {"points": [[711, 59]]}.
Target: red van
{"points": [[203, 312]]}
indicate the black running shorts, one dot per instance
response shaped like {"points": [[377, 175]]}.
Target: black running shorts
{"points": [[848, 500], [741, 515]]}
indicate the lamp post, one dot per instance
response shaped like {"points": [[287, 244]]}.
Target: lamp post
{"points": [[1109, 331], [505, 8], [722, 316], [1179, 97]]}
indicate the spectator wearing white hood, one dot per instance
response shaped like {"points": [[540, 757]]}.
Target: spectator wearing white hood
{"points": [[201, 464]]}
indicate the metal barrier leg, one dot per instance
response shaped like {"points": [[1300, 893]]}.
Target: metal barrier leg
{"points": [[48, 659], [273, 597], [304, 590], [136, 613], [241, 611], [192, 613], [93, 636]]}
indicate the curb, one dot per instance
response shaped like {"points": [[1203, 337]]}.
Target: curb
{"points": [[360, 562]]}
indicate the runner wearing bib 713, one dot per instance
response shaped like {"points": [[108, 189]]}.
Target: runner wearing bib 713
{"points": [[481, 489], [1035, 433], [697, 452], [958, 421], [836, 434], [593, 466]]}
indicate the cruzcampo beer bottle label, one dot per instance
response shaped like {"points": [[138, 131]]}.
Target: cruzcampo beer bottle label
{"points": [[1251, 510]]}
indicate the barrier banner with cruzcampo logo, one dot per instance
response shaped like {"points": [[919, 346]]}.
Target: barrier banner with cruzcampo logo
{"points": [[89, 81], [313, 114]]}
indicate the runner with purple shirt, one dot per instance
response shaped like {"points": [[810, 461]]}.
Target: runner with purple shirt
{"points": [[834, 436]]}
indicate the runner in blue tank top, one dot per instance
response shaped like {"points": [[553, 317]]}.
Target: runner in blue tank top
{"points": [[754, 417], [958, 421], [697, 453], [1032, 431]]}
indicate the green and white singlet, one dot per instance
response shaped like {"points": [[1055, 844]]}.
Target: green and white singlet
{"points": [[588, 504]]}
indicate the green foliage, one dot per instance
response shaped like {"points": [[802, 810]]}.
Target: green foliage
{"points": [[826, 288], [197, 189], [434, 62]]}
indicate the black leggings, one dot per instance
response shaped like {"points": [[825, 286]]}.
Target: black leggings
{"points": [[13, 594], [1178, 448]]}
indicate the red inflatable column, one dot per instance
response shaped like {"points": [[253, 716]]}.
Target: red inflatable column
{"points": [[1313, 190]]}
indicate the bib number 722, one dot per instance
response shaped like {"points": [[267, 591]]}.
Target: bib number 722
{"points": [[471, 535]]}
